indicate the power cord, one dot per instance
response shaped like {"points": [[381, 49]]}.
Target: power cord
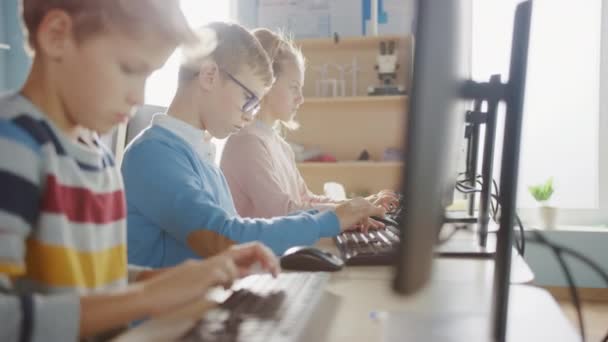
{"points": [[464, 188], [558, 251]]}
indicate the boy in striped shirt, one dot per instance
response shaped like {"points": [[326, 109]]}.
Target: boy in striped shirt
{"points": [[63, 253]]}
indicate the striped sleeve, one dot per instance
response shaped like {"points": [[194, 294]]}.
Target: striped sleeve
{"points": [[26, 317], [34, 317], [20, 198]]}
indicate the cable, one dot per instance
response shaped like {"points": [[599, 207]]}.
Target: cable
{"points": [[520, 243], [569, 280], [559, 249], [539, 238]]}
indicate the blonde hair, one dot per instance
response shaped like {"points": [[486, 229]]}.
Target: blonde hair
{"points": [[281, 49], [133, 17], [231, 48]]}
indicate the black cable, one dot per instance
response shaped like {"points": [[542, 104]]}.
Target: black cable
{"points": [[557, 250], [520, 243], [539, 238], [573, 292], [522, 236], [569, 279]]}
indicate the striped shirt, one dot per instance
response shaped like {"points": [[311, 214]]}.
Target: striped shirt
{"points": [[62, 221]]}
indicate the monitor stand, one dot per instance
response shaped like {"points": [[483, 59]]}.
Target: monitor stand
{"points": [[465, 243]]}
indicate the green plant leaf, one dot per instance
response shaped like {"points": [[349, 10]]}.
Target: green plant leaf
{"points": [[542, 192]]}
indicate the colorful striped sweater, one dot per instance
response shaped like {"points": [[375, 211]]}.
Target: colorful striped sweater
{"points": [[62, 224]]}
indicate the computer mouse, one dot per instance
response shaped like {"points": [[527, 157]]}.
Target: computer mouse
{"points": [[310, 259]]}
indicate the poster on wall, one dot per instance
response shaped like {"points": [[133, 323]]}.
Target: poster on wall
{"points": [[323, 18], [302, 18]]}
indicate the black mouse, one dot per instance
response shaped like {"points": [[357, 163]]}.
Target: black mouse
{"points": [[310, 259]]}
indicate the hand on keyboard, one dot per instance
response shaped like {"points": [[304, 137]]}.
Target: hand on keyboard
{"points": [[387, 199], [357, 211], [253, 258]]}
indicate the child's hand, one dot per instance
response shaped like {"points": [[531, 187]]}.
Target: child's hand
{"points": [[253, 255], [366, 224], [385, 198], [191, 279], [357, 212]]}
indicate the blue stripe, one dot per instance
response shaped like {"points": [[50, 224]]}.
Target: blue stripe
{"points": [[89, 167], [19, 197], [27, 323], [40, 131], [10, 131]]}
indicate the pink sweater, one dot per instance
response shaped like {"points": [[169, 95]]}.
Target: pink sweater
{"points": [[262, 175]]}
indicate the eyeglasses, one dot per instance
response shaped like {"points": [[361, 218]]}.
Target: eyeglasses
{"points": [[252, 104]]}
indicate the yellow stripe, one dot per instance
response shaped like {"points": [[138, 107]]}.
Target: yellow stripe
{"points": [[66, 267], [12, 269]]}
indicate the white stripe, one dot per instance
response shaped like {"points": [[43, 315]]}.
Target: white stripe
{"points": [[56, 229], [26, 285], [19, 160], [13, 224], [14, 105], [67, 172], [12, 249]]}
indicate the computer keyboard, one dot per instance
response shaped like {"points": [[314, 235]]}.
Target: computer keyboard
{"points": [[262, 308], [376, 247]]}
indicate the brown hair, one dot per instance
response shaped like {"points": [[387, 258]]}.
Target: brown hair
{"points": [[280, 49], [135, 17], [233, 48]]}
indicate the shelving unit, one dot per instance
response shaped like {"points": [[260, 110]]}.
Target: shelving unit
{"points": [[346, 126]]}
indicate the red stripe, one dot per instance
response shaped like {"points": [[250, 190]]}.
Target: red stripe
{"points": [[81, 205]]}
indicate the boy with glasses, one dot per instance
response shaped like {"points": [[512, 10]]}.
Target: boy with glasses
{"points": [[179, 204]]}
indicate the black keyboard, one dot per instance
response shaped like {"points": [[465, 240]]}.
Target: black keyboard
{"points": [[261, 308], [376, 247]]}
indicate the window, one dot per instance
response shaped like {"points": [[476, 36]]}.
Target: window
{"points": [[162, 84], [561, 134]]}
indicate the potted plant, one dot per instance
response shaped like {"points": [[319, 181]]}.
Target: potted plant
{"points": [[542, 193]]}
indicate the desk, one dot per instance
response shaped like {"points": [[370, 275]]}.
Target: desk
{"points": [[458, 287]]}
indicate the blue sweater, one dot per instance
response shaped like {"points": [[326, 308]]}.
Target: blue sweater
{"points": [[171, 193]]}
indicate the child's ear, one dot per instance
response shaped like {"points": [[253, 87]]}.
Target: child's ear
{"points": [[209, 74], [55, 34]]}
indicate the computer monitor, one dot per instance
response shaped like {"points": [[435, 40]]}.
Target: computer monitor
{"points": [[436, 118], [435, 132]]}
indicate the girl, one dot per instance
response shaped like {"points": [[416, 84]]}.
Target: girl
{"points": [[258, 164]]}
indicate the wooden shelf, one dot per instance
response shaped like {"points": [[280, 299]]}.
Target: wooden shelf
{"points": [[360, 177], [350, 164], [346, 126], [349, 42], [342, 100], [360, 50]]}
